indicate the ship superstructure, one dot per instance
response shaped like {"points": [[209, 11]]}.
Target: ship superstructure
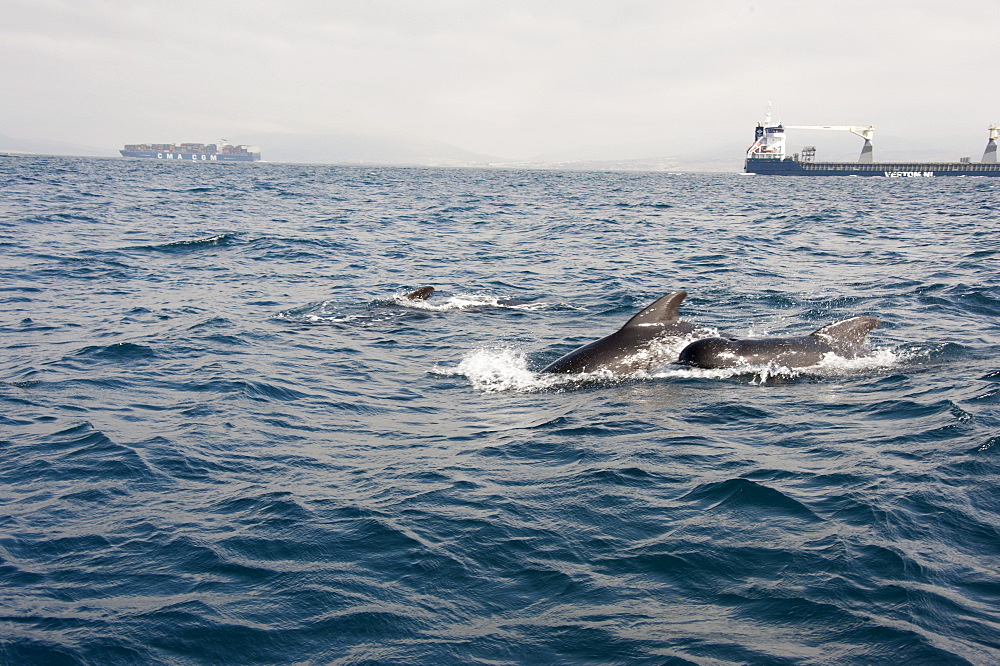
{"points": [[767, 156]]}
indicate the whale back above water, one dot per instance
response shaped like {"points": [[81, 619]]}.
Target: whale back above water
{"points": [[844, 338], [642, 343], [424, 293], [421, 294]]}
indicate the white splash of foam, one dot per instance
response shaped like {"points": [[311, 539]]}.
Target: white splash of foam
{"points": [[466, 302], [879, 358], [495, 370]]}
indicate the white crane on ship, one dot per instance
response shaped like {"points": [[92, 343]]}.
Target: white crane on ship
{"points": [[990, 156], [865, 133]]}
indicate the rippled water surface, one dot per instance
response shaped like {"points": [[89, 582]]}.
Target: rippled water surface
{"points": [[225, 438]]}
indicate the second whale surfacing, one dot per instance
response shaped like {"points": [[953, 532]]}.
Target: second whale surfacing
{"points": [[647, 340], [421, 294], [844, 338]]}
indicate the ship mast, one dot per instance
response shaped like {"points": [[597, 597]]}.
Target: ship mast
{"points": [[769, 139]]}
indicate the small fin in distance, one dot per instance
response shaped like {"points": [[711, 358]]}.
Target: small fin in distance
{"points": [[661, 310], [421, 294]]}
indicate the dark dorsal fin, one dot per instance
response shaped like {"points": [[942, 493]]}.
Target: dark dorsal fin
{"points": [[848, 331], [661, 310], [421, 294]]}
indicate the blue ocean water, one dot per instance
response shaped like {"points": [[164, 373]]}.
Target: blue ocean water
{"points": [[224, 438]]}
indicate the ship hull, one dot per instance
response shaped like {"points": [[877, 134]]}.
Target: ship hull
{"points": [[190, 157], [789, 167]]}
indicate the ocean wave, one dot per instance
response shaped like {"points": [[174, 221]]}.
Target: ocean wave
{"points": [[254, 390], [241, 446], [191, 245], [746, 496], [79, 455], [119, 352]]}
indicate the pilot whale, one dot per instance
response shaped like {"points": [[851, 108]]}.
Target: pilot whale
{"points": [[641, 344], [843, 338], [423, 293]]}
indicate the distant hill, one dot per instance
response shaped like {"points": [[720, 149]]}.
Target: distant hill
{"points": [[652, 155], [360, 149], [9, 144], [341, 148], [299, 148]]}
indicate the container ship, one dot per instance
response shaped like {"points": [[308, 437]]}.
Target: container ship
{"points": [[767, 157], [223, 151]]}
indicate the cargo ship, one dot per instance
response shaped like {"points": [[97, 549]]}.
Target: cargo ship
{"points": [[767, 157], [223, 151]]}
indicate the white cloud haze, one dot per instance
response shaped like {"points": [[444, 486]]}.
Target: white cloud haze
{"points": [[518, 78]]}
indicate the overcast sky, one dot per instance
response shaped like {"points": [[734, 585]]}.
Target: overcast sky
{"points": [[513, 78]]}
